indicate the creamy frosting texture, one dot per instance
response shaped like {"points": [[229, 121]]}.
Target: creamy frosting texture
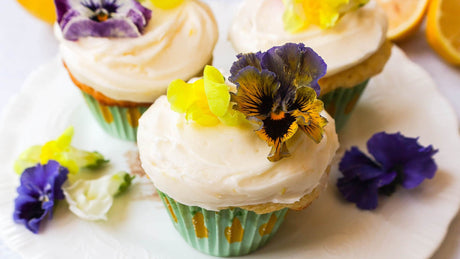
{"points": [[222, 166], [177, 43], [258, 26]]}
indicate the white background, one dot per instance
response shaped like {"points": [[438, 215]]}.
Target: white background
{"points": [[26, 43]]}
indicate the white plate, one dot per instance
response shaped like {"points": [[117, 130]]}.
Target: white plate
{"points": [[410, 224]]}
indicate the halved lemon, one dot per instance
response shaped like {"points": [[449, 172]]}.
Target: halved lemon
{"points": [[443, 29], [43, 9], [404, 16]]}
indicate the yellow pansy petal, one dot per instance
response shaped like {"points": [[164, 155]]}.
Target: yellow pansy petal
{"points": [[166, 4], [180, 95], [233, 117], [299, 14], [200, 114], [216, 91], [27, 159], [65, 139]]}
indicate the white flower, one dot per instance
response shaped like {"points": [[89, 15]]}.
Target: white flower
{"points": [[92, 199]]}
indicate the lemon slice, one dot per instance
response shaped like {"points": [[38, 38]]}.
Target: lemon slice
{"points": [[443, 29], [404, 16]]}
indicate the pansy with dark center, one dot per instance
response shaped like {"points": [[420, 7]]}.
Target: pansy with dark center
{"points": [[278, 89], [398, 161], [41, 187], [101, 18]]}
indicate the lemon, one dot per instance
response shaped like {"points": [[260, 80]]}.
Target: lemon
{"points": [[43, 9], [404, 17], [443, 29]]}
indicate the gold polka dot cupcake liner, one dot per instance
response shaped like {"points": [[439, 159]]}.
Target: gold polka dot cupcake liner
{"points": [[228, 232], [120, 122]]}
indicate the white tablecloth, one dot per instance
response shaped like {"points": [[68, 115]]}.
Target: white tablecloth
{"points": [[26, 43]]}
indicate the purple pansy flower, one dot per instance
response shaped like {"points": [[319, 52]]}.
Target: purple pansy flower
{"points": [[398, 160], [292, 64], [40, 188], [278, 89], [101, 18]]}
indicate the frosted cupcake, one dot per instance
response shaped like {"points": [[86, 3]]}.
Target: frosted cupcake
{"points": [[229, 162], [122, 55], [349, 35]]}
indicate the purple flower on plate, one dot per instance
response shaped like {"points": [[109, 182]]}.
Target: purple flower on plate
{"points": [[101, 18], [41, 187], [398, 160]]}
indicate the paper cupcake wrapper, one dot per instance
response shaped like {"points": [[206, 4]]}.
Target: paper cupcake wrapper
{"points": [[229, 232], [120, 122], [341, 102]]}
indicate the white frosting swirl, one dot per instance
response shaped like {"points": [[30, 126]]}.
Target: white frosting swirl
{"points": [[258, 26], [177, 43], [222, 166]]}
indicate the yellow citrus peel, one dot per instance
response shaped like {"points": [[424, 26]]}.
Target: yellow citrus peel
{"points": [[443, 29], [404, 17]]}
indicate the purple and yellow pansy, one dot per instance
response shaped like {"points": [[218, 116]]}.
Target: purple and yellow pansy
{"points": [[278, 89], [101, 18]]}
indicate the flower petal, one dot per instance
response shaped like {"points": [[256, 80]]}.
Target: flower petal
{"points": [[420, 168], [40, 188], [118, 28], [413, 162], [102, 18], [92, 199], [296, 65], [256, 92], [216, 90], [180, 95], [245, 60], [307, 110], [363, 193], [355, 164]]}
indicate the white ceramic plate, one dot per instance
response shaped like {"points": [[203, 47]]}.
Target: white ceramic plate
{"points": [[410, 224]]}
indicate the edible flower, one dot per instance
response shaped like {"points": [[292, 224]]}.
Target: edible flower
{"points": [[166, 4], [205, 101], [37, 195], [101, 18], [299, 14], [92, 199], [398, 160], [278, 89], [60, 150]]}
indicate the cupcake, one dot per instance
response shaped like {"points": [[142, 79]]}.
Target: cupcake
{"points": [[229, 159], [122, 55], [351, 38]]}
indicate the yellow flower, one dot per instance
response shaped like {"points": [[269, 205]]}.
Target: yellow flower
{"points": [[205, 101], [299, 14], [61, 151], [166, 4]]}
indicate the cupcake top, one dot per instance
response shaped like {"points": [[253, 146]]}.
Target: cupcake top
{"points": [[175, 43], [269, 140], [355, 37]]}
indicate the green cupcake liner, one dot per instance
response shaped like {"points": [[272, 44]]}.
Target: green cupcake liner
{"points": [[229, 232], [341, 102], [120, 122]]}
